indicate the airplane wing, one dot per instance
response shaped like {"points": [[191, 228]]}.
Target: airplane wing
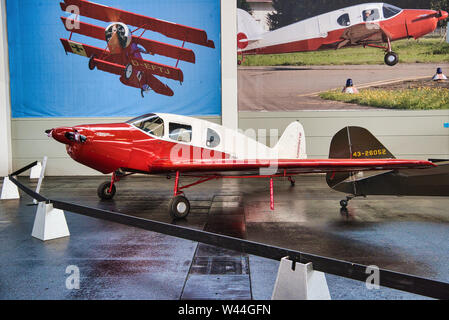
{"points": [[360, 34], [140, 64], [169, 29], [85, 50], [152, 47], [293, 166]]}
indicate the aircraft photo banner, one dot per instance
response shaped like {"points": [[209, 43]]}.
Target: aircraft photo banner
{"points": [[114, 58], [317, 55]]}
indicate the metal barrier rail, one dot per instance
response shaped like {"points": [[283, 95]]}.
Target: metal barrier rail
{"points": [[395, 280]]}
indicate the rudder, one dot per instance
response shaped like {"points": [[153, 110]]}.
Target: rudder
{"points": [[354, 143]]}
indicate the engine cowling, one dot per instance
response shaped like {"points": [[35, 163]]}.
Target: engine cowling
{"points": [[118, 36]]}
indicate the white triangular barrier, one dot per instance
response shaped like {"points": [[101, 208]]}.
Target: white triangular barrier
{"points": [[9, 190], [297, 281], [36, 171], [50, 223]]}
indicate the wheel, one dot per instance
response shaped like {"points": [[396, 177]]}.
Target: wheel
{"points": [[92, 63], [343, 204], [128, 71], [179, 207], [239, 62], [391, 58], [292, 182], [103, 191]]}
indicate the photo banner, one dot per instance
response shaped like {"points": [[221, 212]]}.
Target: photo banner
{"points": [[175, 58]]}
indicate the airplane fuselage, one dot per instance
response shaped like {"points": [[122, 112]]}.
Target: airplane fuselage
{"points": [[327, 31], [150, 142]]}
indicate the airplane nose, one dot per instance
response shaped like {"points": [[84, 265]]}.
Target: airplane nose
{"points": [[60, 134], [443, 15]]}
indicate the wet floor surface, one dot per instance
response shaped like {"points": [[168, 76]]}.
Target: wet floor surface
{"points": [[408, 234]]}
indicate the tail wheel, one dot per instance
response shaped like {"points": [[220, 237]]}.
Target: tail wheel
{"points": [[105, 192], [92, 63], [179, 207], [391, 58], [128, 71]]}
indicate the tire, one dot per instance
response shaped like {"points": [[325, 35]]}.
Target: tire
{"points": [[128, 71], [92, 63], [391, 58], [179, 207], [103, 191], [343, 204]]}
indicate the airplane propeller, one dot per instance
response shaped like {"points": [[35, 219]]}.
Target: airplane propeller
{"points": [[440, 15]]}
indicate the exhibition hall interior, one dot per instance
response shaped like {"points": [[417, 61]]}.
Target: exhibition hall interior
{"points": [[253, 151]]}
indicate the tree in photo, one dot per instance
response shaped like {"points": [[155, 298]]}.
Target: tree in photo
{"points": [[244, 5], [287, 12]]}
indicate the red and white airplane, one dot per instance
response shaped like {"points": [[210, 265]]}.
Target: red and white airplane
{"points": [[176, 145], [123, 53], [369, 25]]}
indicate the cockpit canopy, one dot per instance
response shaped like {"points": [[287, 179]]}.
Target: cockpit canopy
{"points": [[390, 10]]}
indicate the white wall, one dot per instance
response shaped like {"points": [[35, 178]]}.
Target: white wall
{"points": [[5, 103], [229, 63]]}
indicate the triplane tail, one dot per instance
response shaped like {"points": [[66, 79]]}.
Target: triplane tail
{"points": [[353, 143], [292, 144]]}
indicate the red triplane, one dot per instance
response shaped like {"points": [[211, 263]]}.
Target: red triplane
{"points": [[183, 146], [123, 54], [369, 25]]}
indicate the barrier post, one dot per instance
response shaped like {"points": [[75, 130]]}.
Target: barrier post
{"points": [[298, 281], [9, 190], [41, 176], [49, 223]]}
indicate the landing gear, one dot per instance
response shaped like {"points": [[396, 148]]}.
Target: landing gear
{"points": [[106, 191], [292, 181], [179, 207], [344, 203], [391, 58], [128, 71], [92, 63]]}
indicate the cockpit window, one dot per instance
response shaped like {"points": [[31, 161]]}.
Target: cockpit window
{"points": [[180, 132], [140, 118], [153, 125], [371, 15], [390, 11], [213, 139], [343, 20]]}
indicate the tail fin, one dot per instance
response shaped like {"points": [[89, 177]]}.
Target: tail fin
{"points": [[292, 144], [248, 28], [357, 143], [354, 143]]}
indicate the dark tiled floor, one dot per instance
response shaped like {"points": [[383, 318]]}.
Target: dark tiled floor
{"points": [[409, 235]]}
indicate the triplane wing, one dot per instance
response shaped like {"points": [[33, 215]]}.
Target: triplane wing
{"points": [[169, 29]]}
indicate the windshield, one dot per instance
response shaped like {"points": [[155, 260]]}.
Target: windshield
{"points": [[140, 118], [153, 125], [390, 11]]}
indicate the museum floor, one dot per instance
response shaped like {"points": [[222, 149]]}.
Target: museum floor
{"points": [[408, 234]]}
